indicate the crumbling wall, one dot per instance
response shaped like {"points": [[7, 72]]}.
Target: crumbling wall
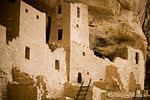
{"points": [[84, 61], [40, 67], [22, 87], [125, 67], [3, 85], [113, 87], [41, 60], [26, 87], [112, 81], [81, 59], [6, 57], [49, 81]]}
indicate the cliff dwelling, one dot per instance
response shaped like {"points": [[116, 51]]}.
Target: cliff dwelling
{"points": [[74, 50]]}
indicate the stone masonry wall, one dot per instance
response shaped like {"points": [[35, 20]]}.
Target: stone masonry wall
{"points": [[6, 56], [84, 61], [40, 67], [60, 21], [79, 29], [42, 60]]}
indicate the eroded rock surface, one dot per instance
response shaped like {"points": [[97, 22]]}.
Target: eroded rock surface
{"points": [[114, 28], [146, 29]]}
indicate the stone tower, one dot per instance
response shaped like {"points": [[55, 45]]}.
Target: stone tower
{"points": [[69, 23]]}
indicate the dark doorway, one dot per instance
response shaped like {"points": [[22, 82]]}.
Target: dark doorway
{"points": [[48, 28], [79, 77]]}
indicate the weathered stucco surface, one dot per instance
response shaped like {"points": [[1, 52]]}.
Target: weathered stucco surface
{"points": [[102, 42]]}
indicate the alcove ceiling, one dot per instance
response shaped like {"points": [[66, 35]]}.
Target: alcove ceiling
{"points": [[45, 5]]}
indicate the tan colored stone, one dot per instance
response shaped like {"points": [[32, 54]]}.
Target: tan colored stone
{"points": [[110, 29]]}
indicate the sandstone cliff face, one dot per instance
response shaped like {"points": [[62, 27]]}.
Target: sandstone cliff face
{"points": [[146, 29], [115, 24]]}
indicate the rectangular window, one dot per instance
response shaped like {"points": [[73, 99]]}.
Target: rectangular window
{"points": [[57, 65], [60, 33], [59, 9], [78, 12], [27, 53], [137, 58]]}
